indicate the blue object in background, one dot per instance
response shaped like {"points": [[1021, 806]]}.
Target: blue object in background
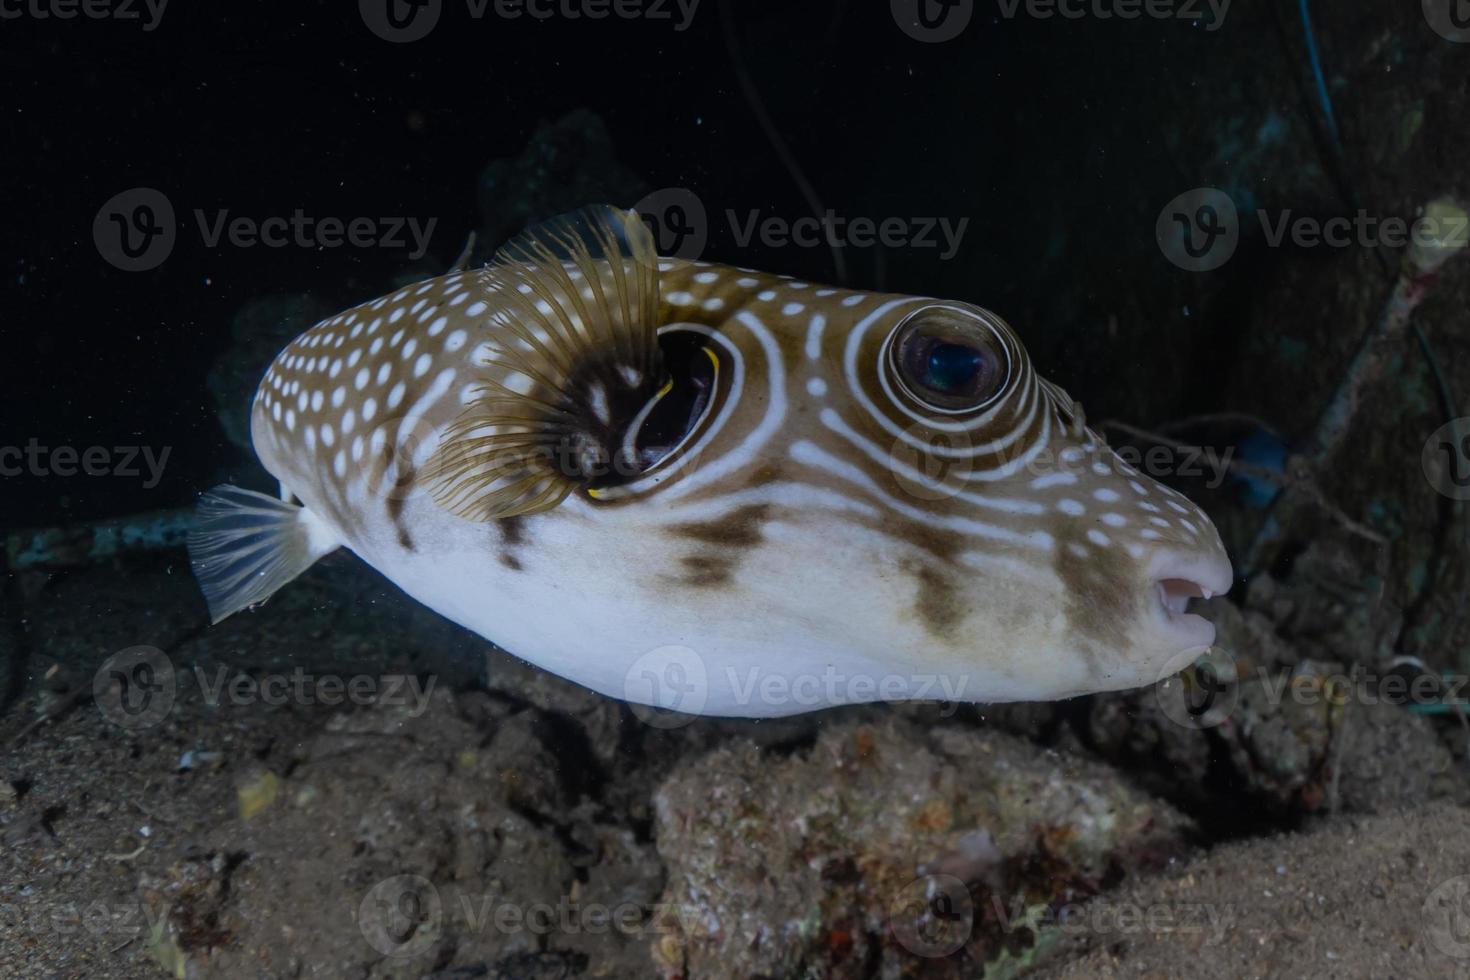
{"points": [[1263, 450]]}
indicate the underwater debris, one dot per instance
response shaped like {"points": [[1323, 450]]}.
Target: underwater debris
{"points": [[258, 793], [1420, 267], [98, 540]]}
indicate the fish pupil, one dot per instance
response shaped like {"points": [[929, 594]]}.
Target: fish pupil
{"points": [[952, 368]]}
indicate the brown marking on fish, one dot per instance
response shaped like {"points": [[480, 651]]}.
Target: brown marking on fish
{"points": [[942, 543], [741, 528], [938, 604], [396, 502], [705, 571], [512, 535], [728, 538], [1102, 598]]}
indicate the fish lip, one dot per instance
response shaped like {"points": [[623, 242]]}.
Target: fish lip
{"points": [[1174, 578]]}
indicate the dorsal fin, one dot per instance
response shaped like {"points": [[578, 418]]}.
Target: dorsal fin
{"points": [[573, 353]]}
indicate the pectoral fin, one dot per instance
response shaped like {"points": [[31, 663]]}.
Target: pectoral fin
{"points": [[573, 357]]}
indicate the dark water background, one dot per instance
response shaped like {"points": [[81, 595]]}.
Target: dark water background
{"points": [[1043, 134]]}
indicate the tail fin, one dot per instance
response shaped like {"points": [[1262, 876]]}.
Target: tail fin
{"points": [[246, 545]]}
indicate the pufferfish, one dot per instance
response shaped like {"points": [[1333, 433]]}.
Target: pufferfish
{"points": [[709, 488]]}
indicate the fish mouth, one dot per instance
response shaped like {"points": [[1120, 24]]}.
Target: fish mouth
{"points": [[1174, 579]]}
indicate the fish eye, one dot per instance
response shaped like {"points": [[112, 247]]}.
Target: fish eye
{"points": [[949, 361]]}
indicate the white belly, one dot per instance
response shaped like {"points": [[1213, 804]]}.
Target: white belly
{"points": [[778, 638]]}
